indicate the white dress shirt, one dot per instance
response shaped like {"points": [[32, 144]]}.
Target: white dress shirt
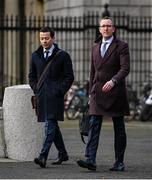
{"points": [[108, 42], [50, 51]]}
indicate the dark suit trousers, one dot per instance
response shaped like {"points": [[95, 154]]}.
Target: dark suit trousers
{"points": [[52, 134], [94, 133]]}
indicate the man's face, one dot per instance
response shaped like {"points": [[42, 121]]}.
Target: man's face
{"points": [[106, 28], [46, 40]]}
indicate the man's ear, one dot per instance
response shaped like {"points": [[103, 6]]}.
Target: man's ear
{"points": [[114, 29], [53, 39], [100, 29]]}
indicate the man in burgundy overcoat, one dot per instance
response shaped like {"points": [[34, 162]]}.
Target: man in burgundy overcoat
{"points": [[110, 64]]}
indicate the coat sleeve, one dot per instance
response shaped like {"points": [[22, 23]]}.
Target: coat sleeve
{"points": [[68, 76], [32, 76], [124, 63], [92, 73]]}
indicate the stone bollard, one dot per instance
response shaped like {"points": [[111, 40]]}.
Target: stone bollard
{"points": [[23, 134]]}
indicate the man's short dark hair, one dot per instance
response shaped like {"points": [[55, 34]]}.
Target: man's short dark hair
{"points": [[48, 29]]}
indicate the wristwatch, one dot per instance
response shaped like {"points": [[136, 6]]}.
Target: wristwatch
{"points": [[114, 81]]}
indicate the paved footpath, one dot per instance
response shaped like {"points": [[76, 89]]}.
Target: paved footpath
{"points": [[138, 158]]}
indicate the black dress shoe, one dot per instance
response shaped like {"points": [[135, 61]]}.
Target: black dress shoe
{"points": [[118, 166], [87, 164], [41, 162], [60, 159]]}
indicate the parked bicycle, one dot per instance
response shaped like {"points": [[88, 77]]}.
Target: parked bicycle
{"points": [[76, 100]]}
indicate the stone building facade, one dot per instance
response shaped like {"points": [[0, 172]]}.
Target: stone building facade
{"points": [[79, 7], [74, 7], [22, 7]]}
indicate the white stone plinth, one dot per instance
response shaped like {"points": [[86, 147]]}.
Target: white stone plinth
{"points": [[23, 134]]}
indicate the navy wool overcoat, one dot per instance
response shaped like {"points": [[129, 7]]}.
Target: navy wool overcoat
{"points": [[56, 82]]}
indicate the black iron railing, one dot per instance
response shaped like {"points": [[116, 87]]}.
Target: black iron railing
{"points": [[19, 37]]}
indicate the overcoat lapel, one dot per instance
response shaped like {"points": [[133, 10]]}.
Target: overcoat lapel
{"points": [[40, 53], [97, 55], [110, 50], [101, 60], [42, 57]]}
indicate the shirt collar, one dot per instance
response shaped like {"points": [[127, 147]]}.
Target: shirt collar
{"points": [[50, 50], [108, 41]]}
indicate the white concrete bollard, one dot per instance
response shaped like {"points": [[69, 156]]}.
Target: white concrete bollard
{"points": [[23, 134]]}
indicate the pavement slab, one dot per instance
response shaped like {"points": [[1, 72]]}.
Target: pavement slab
{"points": [[138, 157]]}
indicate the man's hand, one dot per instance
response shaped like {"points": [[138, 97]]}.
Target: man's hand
{"points": [[108, 86]]}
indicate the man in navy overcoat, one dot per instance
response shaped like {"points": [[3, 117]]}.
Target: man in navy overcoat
{"points": [[56, 82]]}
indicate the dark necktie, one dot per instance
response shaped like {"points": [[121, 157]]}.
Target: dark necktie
{"points": [[46, 54]]}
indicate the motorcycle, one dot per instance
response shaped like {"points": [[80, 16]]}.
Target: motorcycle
{"points": [[138, 107], [146, 112]]}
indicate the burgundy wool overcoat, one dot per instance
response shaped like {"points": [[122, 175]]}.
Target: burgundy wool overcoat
{"points": [[115, 64]]}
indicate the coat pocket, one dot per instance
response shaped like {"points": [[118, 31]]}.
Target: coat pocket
{"points": [[105, 100]]}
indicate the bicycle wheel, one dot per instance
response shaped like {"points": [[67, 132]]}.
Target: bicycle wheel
{"points": [[74, 109]]}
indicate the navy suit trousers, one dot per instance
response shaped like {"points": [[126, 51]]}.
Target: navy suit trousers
{"points": [[94, 133], [52, 134]]}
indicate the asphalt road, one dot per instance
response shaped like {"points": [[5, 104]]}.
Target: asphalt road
{"points": [[138, 157]]}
